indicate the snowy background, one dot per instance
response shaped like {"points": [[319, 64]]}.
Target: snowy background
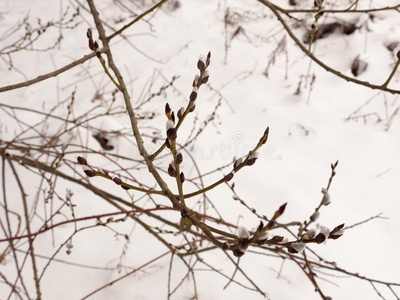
{"points": [[309, 129]]}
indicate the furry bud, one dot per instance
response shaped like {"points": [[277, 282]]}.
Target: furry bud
{"points": [[201, 63], [322, 236], [309, 235], [243, 239], [252, 159], [297, 247], [243, 233], [205, 77], [193, 95], [196, 80], [237, 163], [326, 200], [171, 169], [181, 112], [314, 216], [337, 232]]}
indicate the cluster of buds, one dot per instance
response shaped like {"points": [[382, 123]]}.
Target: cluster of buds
{"points": [[310, 236], [260, 235], [250, 159], [93, 45], [202, 64], [85, 167], [92, 172], [119, 182], [69, 247], [172, 169], [318, 236]]}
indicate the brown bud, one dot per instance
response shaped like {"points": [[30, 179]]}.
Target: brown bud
{"points": [[192, 108], [173, 117], [81, 160], [182, 177], [171, 170], [228, 177], [89, 33], [167, 109], [117, 181], [320, 238], [279, 212], [181, 112], [282, 208], [237, 163], [205, 77], [91, 45], [292, 250], [125, 187], [90, 173], [276, 239], [260, 226], [252, 158], [251, 161], [337, 232], [193, 94], [238, 253], [201, 64], [265, 136], [179, 158]]}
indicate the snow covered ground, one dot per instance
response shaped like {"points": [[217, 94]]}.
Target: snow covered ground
{"points": [[310, 128]]}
